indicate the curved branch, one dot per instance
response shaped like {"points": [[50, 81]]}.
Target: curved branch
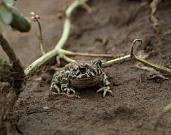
{"points": [[66, 31], [145, 62]]}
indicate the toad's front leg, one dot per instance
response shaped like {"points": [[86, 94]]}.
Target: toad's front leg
{"points": [[65, 86], [106, 85], [62, 88], [60, 84]]}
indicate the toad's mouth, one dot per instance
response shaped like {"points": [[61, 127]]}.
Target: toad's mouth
{"points": [[85, 82], [86, 78]]}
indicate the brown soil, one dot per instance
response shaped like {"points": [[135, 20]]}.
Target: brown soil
{"points": [[138, 98]]}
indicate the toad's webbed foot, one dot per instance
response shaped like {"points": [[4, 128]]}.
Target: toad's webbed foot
{"points": [[106, 85], [105, 89], [69, 91], [55, 88]]}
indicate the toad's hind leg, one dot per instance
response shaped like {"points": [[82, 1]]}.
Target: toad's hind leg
{"points": [[106, 85]]}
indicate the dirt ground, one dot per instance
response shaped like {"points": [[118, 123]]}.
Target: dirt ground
{"points": [[138, 95]]}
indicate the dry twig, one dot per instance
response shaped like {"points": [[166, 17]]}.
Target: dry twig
{"points": [[36, 18]]}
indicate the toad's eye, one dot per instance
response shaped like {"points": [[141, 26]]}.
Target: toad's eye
{"points": [[75, 71], [97, 63], [82, 69]]}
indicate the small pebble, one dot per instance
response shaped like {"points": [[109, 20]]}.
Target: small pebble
{"points": [[45, 107]]}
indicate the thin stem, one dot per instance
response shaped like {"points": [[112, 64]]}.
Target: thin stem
{"points": [[65, 35], [67, 58], [40, 38], [67, 23], [40, 61], [117, 60], [36, 19], [71, 53], [41, 46]]}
